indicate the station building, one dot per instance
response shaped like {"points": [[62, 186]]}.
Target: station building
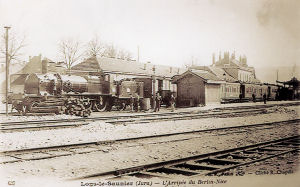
{"points": [[224, 80], [197, 87], [119, 69]]}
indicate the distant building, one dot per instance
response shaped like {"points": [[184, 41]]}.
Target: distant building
{"points": [[238, 69], [34, 65], [38, 65]]}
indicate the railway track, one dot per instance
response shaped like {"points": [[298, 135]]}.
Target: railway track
{"points": [[141, 118], [40, 153], [207, 164]]}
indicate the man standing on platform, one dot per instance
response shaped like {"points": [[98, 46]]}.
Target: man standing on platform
{"points": [[265, 98], [172, 102], [157, 102]]}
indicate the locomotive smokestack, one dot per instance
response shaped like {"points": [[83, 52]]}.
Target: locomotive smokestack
{"points": [[44, 66]]}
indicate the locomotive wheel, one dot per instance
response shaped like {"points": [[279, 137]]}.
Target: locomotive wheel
{"points": [[35, 104], [88, 104], [100, 104], [120, 106]]}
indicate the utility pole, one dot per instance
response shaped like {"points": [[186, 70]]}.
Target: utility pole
{"points": [[7, 69]]}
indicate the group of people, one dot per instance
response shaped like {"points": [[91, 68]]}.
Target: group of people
{"points": [[135, 103], [264, 98], [158, 100]]}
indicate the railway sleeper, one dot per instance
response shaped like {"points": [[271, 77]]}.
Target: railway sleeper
{"points": [[172, 170], [195, 166], [216, 161]]}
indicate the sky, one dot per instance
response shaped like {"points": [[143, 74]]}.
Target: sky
{"points": [[168, 32]]}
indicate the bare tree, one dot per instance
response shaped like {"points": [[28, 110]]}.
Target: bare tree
{"points": [[110, 51], [70, 51], [128, 55], [124, 54], [121, 53], [95, 47], [98, 48], [16, 44]]}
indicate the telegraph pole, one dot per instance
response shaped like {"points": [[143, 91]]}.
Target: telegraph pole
{"points": [[7, 69]]}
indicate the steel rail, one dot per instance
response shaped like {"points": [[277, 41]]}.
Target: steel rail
{"points": [[119, 119], [144, 115]]}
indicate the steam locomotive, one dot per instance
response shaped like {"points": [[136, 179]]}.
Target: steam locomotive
{"points": [[97, 93]]}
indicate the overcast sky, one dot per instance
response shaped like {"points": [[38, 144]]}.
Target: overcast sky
{"points": [[168, 32]]}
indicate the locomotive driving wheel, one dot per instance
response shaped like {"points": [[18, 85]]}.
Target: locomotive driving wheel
{"points": [[100, 104], [88, 104]]}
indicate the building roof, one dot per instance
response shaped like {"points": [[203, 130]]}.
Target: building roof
{"points": [[206, 75], [203, 74], [217, 71], [20, 80], [115, 65]]}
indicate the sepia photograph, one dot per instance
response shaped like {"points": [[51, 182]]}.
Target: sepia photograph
{"points": [[166, 93]]}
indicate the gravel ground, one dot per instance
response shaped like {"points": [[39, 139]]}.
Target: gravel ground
{"points": [[123, 155], [99, 131]]}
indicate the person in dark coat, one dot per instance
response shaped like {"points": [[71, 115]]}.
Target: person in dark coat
{"points": [[265, 98], [131, 103], [157, 102], [253, 97], [172, 102], [240, 96], [137, 103]]}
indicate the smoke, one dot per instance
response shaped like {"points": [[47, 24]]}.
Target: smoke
{"points": [[281, 13]]}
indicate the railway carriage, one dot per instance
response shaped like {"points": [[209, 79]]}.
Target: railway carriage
{"points": [[257, 89], [273, 92], [230, 91]]}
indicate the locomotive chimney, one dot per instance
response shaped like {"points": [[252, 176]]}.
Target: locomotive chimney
{"points": [[44, 66]]}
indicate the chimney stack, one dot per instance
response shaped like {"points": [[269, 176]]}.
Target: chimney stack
{"points": [[233, 55], [44, 66], [213, 59], [226, 57]]}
